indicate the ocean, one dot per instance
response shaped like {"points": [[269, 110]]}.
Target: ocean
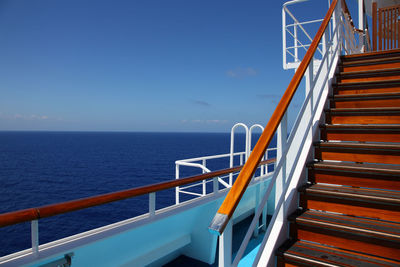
{"points": [[40, 168]]}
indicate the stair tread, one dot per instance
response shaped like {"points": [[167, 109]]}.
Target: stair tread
{"points": [[350, 84], [371, 61], [360, 145], [372, 53], [376, 111], [369, 72], [366, 96], [367, 109], [386, 196], [320, 255], [362, 126], [355, 225], [347, 166]]}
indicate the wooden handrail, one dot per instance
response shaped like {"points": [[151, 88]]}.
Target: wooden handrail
{"points": [[234, 196], [26, 215]]}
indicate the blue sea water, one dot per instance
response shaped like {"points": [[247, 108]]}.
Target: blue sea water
{"points": [[40, 168]]}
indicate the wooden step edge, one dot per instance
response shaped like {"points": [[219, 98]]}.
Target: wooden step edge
{"points": [[373, 53], [360, 126], [351, 225], [361, 111], [369, 73], [356, 145], [356, 167], [357, 194], [374, 61], [366, 96], [366, 83], [303, 253]]}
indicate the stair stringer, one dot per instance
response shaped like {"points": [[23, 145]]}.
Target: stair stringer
{"points": [[297, 154]]}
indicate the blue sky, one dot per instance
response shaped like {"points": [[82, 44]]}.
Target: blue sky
{"points": [[140, 65]]}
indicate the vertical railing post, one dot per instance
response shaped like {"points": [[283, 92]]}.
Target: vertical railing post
{"points": [[334, 27], [338, 14], [152, 204], [176, 188], [296, 50], [215, 185], [374, 26], [35, 237], [281, 177], [225, 246], [265, 209], [361, 23], [284, 38], [204, 181], [257, 202], [262, 167]]}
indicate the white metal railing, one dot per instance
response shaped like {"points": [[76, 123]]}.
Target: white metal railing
{"points": [[289, 170], [227, 180], [300, 37]]}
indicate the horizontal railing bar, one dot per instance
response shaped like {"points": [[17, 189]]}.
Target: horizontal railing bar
{"points": [[304, 22], [210, 157], [30, 214], [191, 193], [215, 156]]}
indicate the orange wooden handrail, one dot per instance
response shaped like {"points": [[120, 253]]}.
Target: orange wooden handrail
{"points": [[231, 201], [26, 215]]}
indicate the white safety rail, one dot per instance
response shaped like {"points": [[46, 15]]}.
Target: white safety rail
{"points": [[225, 181], [295, 37], [289, 171]]}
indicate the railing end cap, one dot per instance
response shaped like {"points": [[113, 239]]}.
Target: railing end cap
{"points": [[218, 224]]}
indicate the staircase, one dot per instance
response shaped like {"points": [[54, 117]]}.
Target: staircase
{"points": [[349, 211]]}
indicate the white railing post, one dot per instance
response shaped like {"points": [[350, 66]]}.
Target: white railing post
{"points": [[296, 49], [176, 188], [257, 202], [310, 82], [338, 23], [281, 178], [361, 24], [35, 237], [284, 38], [232, 152], [265, 210], [204, 181], [225, 246], [215, 185], [334, 30], [152, 204]]}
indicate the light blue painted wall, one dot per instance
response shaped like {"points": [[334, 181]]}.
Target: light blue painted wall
{"points": [[186, 231]]}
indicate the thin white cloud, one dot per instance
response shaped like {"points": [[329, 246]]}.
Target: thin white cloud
{"points": [[241, 72], [30, 117], [201, 103]]}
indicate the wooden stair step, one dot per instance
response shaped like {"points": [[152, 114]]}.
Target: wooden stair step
{"points": [[358, 152], [347, 232], [381, 176], [302, 253], [362, 202], [370, 55], [366, 87], [368, 75], [361, 132], [370, 64], [382, 115], [367, 100]]}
